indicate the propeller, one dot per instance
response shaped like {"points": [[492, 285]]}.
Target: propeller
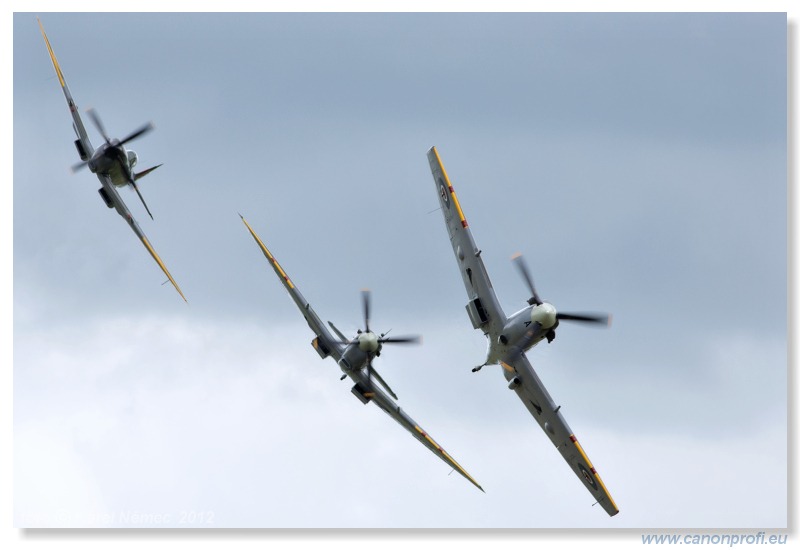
{"points": [[593, 318], [366, 299], [115, 148], [370, 343]]}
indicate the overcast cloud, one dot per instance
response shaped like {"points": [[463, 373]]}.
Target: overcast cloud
{"points": [[637, 161]]}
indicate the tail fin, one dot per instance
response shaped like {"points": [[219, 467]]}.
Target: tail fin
{"points": [[143, 173]]}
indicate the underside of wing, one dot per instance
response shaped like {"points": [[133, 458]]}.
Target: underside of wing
{"points": [[73, 109], [329, 345], [160, 263], [115, 201], [483, 308], [391, 408], [529, 388]]}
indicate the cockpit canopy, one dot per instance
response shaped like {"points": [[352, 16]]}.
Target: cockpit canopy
{"points": [[133, 158]]}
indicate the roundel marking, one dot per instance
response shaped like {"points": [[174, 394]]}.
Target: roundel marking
{"points": [[587, 476], [443, 193]]}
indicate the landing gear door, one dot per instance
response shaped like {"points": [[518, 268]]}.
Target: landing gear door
{"points": [[320, 347], [477, 313]]}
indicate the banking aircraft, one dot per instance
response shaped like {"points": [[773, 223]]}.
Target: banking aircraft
{"points": [[112, 163], [510, 336], [354, 357]]}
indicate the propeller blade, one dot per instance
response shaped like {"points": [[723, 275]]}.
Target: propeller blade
{"points": [[523, 269], [596, 318], [143, 130], [365, 299], [79, 166], [401, 340], [136, 188], [98, 123]]}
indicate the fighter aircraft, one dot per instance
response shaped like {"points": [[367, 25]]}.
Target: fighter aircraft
{"points": [[355, 355], [111, 162], [510, 337]]}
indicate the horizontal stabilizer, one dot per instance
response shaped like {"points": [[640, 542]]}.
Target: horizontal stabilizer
{"points": [[341, 336], [373, 373], [143, 173]]}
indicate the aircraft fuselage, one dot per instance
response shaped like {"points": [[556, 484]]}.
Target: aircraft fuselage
{"points": [[357, 353], [523, 330], [114, 161]]}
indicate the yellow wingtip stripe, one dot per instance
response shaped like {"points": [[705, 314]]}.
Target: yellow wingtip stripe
{"points": [[163, 267], [268, 254], [52, 54], [450, 188], [594, 472]]}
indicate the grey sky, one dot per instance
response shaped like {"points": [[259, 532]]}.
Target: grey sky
{"points": [[637, 161]]}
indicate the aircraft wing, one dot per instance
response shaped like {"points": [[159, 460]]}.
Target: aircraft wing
{"points": [[369, 390], [122, 210], [538, 401], [313, 320], [73, 109], [483, 308]]}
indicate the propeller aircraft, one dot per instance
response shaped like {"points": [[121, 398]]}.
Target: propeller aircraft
{"points": [[355, 355], [111, 162], [509, 337]]}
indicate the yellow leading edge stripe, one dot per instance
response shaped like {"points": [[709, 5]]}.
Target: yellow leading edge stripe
{"points": [[267, 253], [163, 267], [450, 188], [52, 55], [594, 472], [449, 458]]}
